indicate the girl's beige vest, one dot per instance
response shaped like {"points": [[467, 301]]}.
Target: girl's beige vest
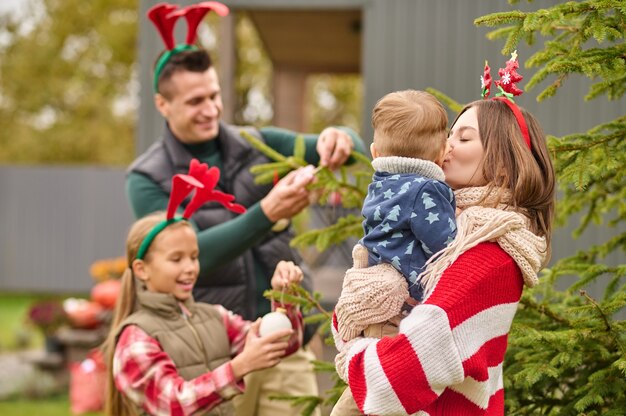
{"points": [[197, 344]]}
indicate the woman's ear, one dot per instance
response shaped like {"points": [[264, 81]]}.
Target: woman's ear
{"points": [[139, 270]]}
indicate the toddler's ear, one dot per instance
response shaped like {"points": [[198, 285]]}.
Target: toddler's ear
{"points": [[444, 152], [373, 151]]}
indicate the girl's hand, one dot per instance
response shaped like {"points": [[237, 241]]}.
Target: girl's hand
{"points": [[285, 274], [260, 352]]}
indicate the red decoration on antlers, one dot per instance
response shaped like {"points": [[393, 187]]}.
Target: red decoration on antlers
{"points": [[509, 76], [209, 177], [194, 15], [161, 16], [182, 185], [203, 179], [165, 15]]}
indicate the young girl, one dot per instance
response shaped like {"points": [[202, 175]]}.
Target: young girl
{"points": [[170, 355]]}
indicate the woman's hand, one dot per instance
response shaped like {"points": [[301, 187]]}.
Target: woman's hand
{"points": [[260, 352], [286, 273]]}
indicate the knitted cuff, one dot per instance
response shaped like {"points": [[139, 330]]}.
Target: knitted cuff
{"points": [[369, 295]]}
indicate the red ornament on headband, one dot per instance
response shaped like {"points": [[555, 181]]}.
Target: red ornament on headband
{"points": [[165, 15], [209, 177], [485, 81], [194, 15], [202, 179], [160, 16], [507, 89], [182, 185], [509, 76]]}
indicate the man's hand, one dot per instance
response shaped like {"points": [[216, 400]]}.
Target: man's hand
{"points": [[334, 147], [286, 273], [289, 196]]}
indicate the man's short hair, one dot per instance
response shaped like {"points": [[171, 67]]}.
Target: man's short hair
{"points": [[410, 123], [196, 60]]}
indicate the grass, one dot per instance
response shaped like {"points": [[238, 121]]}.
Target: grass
{"points": [[53, 406], [14, 327], [15, 330]]}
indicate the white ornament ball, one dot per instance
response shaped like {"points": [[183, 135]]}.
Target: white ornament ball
{"points": [[275, 321]]}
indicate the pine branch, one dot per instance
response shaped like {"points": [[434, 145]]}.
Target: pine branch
{"points": [[296, 294], [453, 105], [544, 309], [607, 323], [590, 144], [263, 148]]}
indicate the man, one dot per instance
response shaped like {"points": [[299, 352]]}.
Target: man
{"points": [[238, 252]]}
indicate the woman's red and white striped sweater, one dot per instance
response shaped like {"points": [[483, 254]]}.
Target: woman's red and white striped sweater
{"points": [[447, 358]]}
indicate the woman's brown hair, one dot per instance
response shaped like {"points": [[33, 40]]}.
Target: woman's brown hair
{"points": [[508, 164], [116, 404]]}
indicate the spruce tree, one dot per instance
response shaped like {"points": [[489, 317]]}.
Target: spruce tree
{"points": [[567, 351]]}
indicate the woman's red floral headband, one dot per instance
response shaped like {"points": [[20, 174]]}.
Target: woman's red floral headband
{"points": [[507, 89]]}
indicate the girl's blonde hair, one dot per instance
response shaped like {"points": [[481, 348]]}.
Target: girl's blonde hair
{"points": [[410, 123], [116, 404], [508, 164]]}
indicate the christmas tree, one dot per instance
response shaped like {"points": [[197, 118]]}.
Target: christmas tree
{"points": [[567, 351]]}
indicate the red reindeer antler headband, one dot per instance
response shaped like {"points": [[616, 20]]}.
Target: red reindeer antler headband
{"points": [[201, 179], [507, 89], [164, 17]]}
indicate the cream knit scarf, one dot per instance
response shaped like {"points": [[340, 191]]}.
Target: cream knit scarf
{"points": [[477, 224]]}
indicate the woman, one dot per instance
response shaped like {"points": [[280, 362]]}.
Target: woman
{"points": [[447, 358]]}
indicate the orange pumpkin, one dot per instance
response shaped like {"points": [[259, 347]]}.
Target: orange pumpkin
{"points": [[83, 313], [106, 293]]}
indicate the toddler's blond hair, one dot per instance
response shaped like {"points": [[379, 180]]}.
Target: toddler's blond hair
{"points": [[410, 123]]}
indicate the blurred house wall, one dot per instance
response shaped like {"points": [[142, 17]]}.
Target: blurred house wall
{"points": [[55, 221]]}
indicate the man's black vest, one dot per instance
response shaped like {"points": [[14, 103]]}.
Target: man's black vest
{"points": [[233, 284]]}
